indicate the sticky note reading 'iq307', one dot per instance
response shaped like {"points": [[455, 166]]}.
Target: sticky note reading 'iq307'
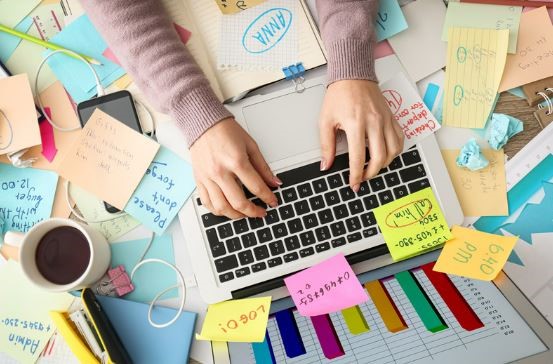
{"points": [[412, 224]]}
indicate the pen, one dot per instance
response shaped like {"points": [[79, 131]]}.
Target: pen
{"points": [[43, 43]]}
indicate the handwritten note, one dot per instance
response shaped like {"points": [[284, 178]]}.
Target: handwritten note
{"points": [[475, 61], [236, 6], [484, 16], [534, 57], [20, 130], [25, 326], [237, 320], [475, 254], [265, 37], [488, 184], [414, 118], [26, 195], [413, 224], [389, 20], [168, 183], [326, 287], [108, 159]]}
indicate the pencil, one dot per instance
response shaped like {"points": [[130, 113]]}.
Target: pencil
{"points": [[533, 4], [43, 43]]}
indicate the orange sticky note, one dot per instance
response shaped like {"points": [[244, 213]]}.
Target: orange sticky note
{"points": [[17, 105], [108, 159], [474, 254], [533, 60]]}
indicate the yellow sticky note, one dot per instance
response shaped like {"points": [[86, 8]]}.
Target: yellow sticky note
{"points": [[237, 320], [235, 6], [413, 224], [475, 62], [474, 254], [473, 187]]}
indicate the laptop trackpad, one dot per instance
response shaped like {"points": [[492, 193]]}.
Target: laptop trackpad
{"points": [[287, 125]]}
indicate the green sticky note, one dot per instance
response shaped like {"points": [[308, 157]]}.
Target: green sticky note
{"points": [[413, 224]]}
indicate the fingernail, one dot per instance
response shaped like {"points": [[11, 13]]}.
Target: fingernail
{"points": [[274, 204], [355, 188], [277, 181], [323, 165], [264, 214]]}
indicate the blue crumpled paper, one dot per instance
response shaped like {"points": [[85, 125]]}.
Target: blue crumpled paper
{"points": [[3, 228], [471, 157], [502, 128]]}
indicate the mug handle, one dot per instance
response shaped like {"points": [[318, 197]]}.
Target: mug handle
{"points": [[14, 238]]}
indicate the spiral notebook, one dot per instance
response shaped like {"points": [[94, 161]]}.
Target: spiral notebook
{"points": [[536, 94]]}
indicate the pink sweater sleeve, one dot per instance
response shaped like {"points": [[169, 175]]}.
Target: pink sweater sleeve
{"points": [[142, 37]]}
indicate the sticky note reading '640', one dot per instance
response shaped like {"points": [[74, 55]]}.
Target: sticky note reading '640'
{"points": [[413, 224], [474, 254], [327, 287], [237, 320]]}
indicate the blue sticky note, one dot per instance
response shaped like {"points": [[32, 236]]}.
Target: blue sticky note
{"points": [[152, 278], [534, 218], [80, 36], [26, 196], [145, 343], [517, 91], [389, 20], [167, 184], [8, 43]]}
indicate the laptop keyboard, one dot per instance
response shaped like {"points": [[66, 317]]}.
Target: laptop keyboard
{"points": [[317, 211]]}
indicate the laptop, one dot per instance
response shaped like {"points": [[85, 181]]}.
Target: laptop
{"points": [[318, 214]]}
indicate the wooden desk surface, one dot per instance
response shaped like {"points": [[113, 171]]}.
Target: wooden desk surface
{"points": [[517, 107]]}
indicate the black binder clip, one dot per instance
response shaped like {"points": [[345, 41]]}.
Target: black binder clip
{"points": [[295, 73]]}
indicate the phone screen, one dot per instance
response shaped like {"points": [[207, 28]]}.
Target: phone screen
{"points": [[120, 108]]}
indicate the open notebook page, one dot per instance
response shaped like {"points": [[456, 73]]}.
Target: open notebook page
{"points": [[234, 82]]}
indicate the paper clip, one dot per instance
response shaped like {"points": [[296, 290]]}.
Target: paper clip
{"points": [[116, 283], [295, 73]]}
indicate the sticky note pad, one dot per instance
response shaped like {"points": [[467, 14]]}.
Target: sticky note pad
{"points": [[327, 287], [27, 196], [474, 254], [413, 224], [242, 320], [475, 62], [165, 187], [232, 7], [8, 42], [108, 159], [389, 20]]}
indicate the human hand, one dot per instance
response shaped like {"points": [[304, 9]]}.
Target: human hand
{"points": [[358, 108], [224, 155]]}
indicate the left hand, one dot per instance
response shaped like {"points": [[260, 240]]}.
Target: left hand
{"points": [[358, 108]]}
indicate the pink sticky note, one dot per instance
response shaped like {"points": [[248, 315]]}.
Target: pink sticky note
{"points": [[184, 34], [382, 49], [327, 287], [49, 150], [108, 53]]}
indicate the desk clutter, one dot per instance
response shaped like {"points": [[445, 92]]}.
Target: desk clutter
{"points": [[445, 291]]}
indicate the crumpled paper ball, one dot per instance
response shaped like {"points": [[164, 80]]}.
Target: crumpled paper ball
{"points": [[502, 128], [471, 157]]}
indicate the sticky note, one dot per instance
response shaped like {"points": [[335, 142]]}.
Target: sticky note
{"points": [[17, 105], [165, 187], [484, 16], [81, 36], [533, 60], [431, 89], [413, 224], [27, 196], [242, 320], [474, 254], [412, 115], [13, 11], [232, 7], [389, 20], [471, 157], [151, 279], [108, 159], [25, 326], [327, 287], [488, 184], [8, 42], [475, 62], [382, 49], [501, 128]]}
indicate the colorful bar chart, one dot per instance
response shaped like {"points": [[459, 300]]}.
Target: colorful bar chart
{"points": [[355, 320], [385, 306], [263, 352], [330, 343]]}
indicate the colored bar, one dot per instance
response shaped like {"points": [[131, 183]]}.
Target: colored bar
{"points": [[385, 306], [420, 301], [330, 343], [457, 304], [430, 95], [220, 352], [355, 320], [289, 333], [263, 352]]}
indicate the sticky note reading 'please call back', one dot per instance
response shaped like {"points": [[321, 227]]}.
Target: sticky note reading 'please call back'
{"points": [[242, 320], [327, 287], [413, 224]]}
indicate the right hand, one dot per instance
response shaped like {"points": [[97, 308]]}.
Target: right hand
{"points": [[222, 157]]}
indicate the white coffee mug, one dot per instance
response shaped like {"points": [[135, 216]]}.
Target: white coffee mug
{"points": [[100, 254]]}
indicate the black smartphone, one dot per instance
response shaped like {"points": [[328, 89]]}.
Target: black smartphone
{"points": [[119, 105]]}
